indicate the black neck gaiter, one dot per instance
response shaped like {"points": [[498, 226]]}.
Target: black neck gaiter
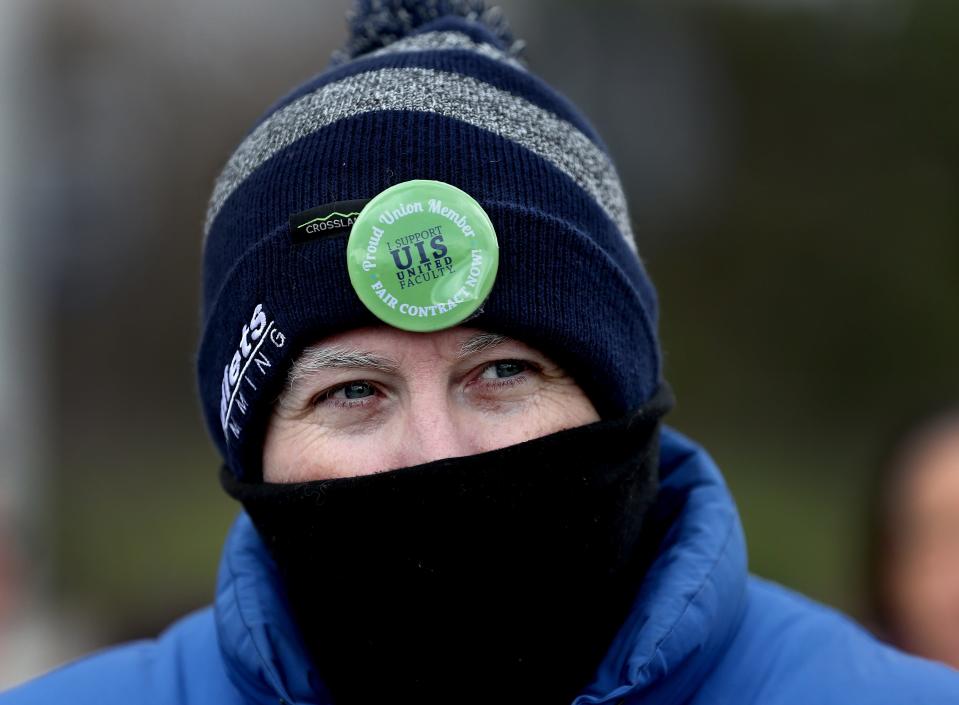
{"points": [[493, 578]]}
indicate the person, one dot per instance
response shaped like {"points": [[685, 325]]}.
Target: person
{"points": [[913, 571], [429, 359]]}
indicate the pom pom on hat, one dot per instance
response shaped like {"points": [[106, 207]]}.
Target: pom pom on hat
{"points": [[375, 24]]}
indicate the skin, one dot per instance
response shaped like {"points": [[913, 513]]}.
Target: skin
{"points": [[383, 398], [923, 571]]}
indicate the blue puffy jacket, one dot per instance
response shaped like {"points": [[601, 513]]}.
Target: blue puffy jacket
{"points": [[702, 631]]}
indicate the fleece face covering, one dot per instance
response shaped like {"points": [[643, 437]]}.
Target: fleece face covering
{"points": [[498, 577]]}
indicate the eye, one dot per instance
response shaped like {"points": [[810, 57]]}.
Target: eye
{"points": [[354, 390], [358, 395], [503, 369]]}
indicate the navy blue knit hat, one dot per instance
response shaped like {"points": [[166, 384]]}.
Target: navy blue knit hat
{"points": [[422, 90]]}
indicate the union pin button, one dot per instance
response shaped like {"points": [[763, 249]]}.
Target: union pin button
{"points": [[422, 255]]}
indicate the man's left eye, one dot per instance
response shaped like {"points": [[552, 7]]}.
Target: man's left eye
{"points": [[356, 390], [503, 369]]}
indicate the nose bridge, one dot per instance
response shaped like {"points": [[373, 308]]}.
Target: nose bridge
{"points": [[432, 428]]}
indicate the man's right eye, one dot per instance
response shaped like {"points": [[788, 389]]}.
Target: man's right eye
{"points": [[356, 393]]}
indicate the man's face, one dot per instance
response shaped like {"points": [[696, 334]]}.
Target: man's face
{"points": [[379, 398]]}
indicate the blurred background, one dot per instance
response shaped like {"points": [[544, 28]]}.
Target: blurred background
{"points": [[792, 168]]}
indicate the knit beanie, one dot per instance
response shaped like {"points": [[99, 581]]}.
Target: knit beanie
{"points": [[436, 90]]}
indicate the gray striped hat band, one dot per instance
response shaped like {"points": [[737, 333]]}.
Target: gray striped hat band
{"points": [[449, 94]]}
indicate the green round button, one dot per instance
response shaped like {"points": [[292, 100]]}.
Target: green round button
{"points": [[422, 255]]}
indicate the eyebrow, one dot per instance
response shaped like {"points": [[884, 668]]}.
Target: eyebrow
{"points": [[481, 342], [335, 357]]}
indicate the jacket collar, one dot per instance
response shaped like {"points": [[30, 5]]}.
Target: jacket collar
{"points": [[258, 640], [687, 609], [693, 596]]}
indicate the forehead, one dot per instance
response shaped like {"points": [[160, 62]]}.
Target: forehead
{"points": [[391, 350], [389, 338], [398, 345]]}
